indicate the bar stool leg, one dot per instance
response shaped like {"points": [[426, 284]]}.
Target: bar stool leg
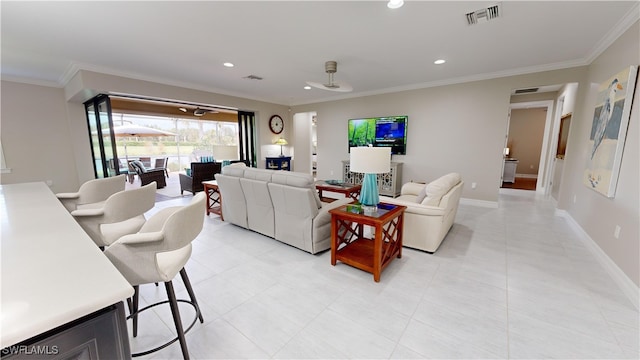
{"points": [[176, 319], [187, 284], [136, 298]]}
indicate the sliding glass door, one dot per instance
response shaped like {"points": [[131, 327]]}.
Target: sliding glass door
{"points": [[247, 137], [103, 150]]}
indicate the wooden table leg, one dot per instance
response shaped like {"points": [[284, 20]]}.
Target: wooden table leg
{"points": [[377, 254], [334, 240]]}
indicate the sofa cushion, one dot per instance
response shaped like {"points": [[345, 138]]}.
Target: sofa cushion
{"points": [[421, 195], [437, 188], [233, 170], [258, 174], [297, 180]]}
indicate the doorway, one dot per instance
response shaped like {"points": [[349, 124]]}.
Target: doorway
{"points": [[101, 138], [305, 140], [528, 137]]}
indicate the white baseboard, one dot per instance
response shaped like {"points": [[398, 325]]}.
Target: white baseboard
{"points": [[483, 203], [628, 287]]}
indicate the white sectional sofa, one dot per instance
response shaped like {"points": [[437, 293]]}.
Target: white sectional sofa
{"points": [[280, 204], [431, 209]]}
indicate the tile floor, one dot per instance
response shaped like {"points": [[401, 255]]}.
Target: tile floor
{"points": [[514, 282]]}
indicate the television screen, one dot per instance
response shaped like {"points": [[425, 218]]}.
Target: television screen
{"points": [[390, 131]]}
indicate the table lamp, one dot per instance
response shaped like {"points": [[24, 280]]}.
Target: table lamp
{"points": [[281, 142], [370, 161]]}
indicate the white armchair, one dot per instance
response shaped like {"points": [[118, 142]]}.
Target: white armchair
{"points": [[121, 214], [92, 193], [158, 252], [431, 210]]}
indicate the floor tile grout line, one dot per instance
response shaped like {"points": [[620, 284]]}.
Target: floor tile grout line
{"points": [[506, 279], [430, 282]]}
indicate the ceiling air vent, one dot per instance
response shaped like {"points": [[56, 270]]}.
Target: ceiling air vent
{"points": [[253, 77], [526, 91], [484, 15]]}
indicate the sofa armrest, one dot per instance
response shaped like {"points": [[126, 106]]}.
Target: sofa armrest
{"points": [[415, 208], [412, 188], [323, 216]]}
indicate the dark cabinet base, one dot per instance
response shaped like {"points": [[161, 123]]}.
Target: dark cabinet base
{"points": [[279, 163], [101, 335]]}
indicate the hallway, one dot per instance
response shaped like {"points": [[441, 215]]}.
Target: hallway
{"points": [[521, 184]]}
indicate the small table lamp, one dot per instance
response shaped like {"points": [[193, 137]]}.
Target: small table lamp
{"points": [[370, 161], [281, 142]]}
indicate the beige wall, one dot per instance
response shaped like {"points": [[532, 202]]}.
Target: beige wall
{"points": [[54, 122], [36, 136], [597, 214], [458, 128], [526, 131]]}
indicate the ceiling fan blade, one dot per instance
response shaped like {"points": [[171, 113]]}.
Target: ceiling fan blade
{"points": [[335, 86]]}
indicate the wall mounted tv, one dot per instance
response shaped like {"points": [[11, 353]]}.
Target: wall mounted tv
{"points": [[388, 131]]}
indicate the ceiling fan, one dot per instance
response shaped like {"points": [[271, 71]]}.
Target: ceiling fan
{"points": [[330, 67], [198, 111]]}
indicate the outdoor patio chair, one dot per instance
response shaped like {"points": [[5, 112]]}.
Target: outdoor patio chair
{"points": [[146, 161], [161, 163], [199, 172], [148, 176]]}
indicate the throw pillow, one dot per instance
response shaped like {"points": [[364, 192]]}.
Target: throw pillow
{"points": [[421, 195], [139, 166], [437, 188]]}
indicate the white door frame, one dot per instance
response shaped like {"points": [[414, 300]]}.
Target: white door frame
{"points": [[554, 145], [543, 168], [302, 144]]}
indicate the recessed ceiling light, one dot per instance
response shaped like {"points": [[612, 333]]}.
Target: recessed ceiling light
{"points": [[439, 62], [394, 4], [182, 109], [307, 87], [228, 64]]}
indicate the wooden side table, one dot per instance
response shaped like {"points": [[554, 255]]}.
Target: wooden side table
{"points": [[349, 245], [348, 190], [214, 198]]}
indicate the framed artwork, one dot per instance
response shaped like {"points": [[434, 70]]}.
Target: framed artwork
{"points": [[608, 131]]}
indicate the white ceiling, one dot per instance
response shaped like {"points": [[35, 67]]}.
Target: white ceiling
{"points": [[287, 43]]}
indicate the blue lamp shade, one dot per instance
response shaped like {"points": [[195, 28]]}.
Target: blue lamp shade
{"points": [[370, 161]]}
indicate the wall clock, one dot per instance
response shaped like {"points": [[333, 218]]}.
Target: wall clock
{"points": [[276, 124]]}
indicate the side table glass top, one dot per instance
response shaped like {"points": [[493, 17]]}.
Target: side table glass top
{"points": [[381, 210]]}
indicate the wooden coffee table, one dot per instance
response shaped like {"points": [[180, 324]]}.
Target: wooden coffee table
{"points": [[349, 190], [349, 245]]}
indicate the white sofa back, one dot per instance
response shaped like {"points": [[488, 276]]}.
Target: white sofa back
{"points": [[260, 215], [279, 204], [295, 208], [236, 210]]}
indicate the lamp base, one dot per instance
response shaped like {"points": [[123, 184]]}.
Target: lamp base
{"points": [[369, 192], [369, 209]]}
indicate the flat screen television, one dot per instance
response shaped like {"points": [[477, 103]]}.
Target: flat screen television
{"points": [[388, 131]]}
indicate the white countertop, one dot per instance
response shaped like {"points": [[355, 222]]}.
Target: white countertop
{"points": [[52, 272]]}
